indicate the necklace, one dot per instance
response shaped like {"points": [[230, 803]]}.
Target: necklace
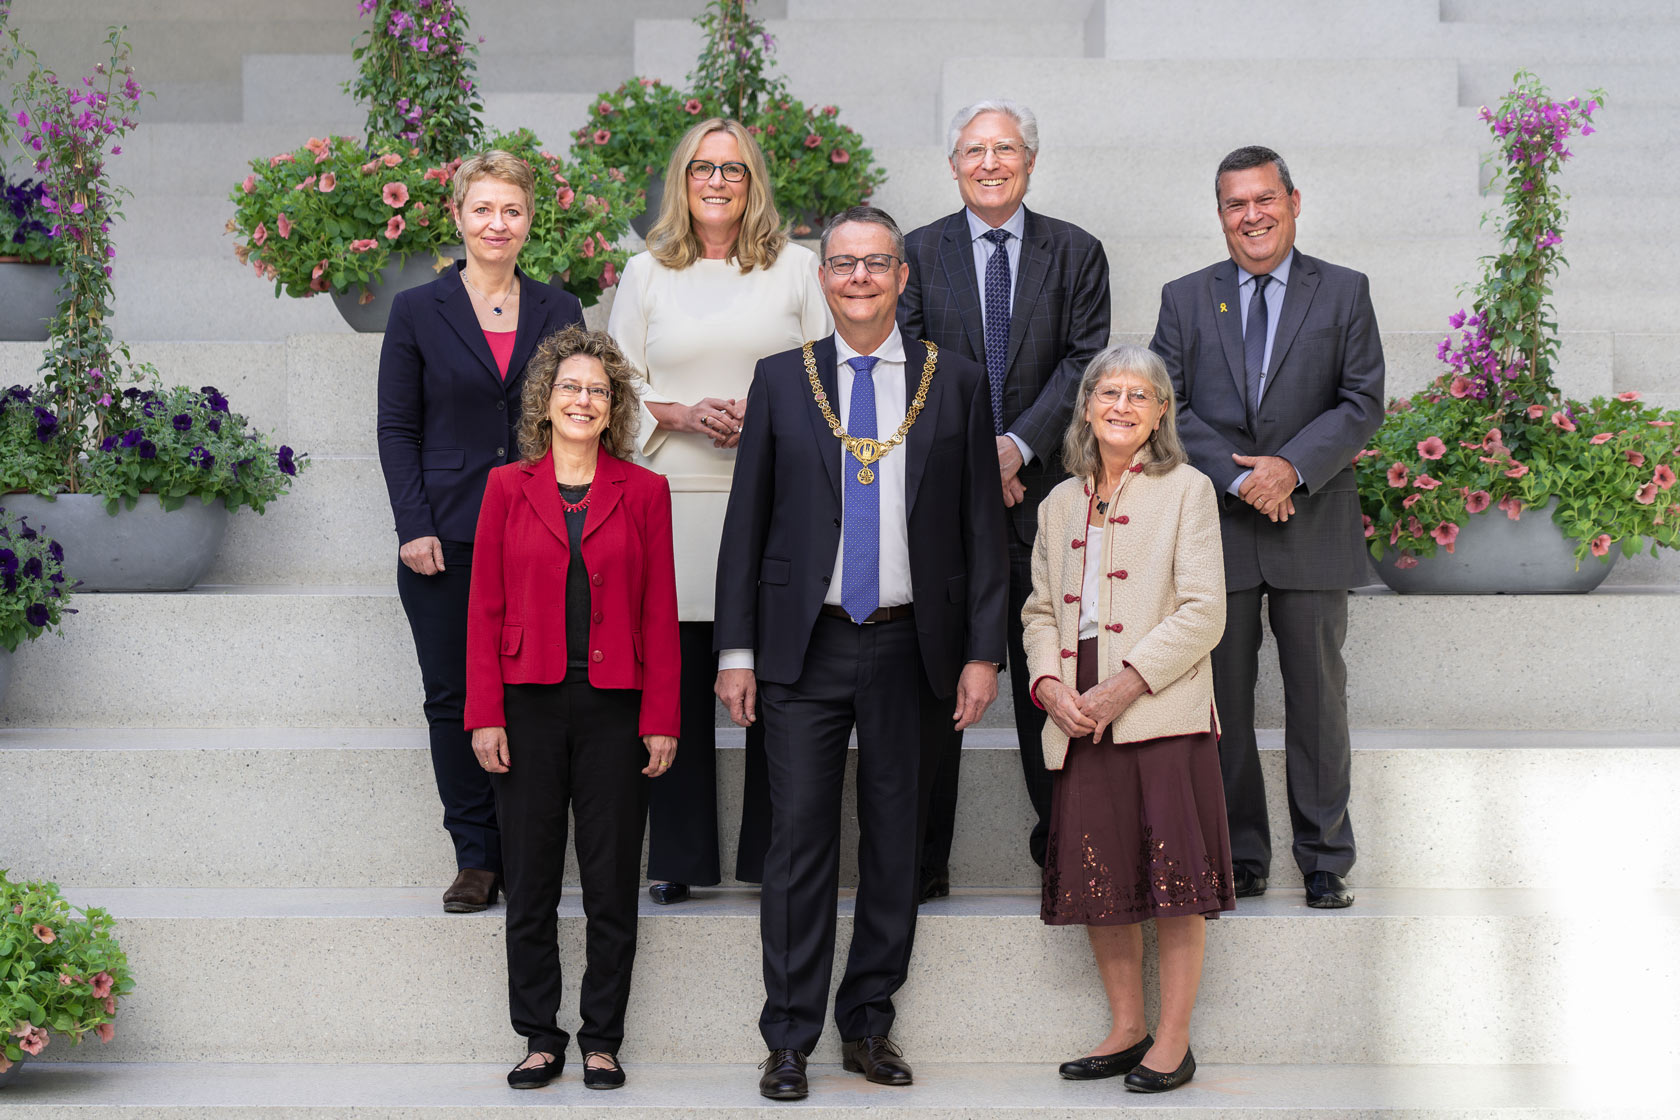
{"points": [[867, 451], [1102, 503], [578, 506], [495, 305]]}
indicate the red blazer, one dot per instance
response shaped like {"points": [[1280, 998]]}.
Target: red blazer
{"points": [[516, 614]]}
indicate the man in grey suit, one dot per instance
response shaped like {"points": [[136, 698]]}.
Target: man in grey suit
{"points": [[1278, 370]]}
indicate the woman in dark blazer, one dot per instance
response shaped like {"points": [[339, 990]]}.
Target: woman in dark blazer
{"points": [[572, 669], [450, 377]]}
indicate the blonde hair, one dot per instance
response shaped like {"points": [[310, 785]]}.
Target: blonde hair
{"points": [[535, 428], [1164, 450], [672, 241], [494, 164]]}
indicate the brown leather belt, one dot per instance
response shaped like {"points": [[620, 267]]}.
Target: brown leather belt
{"points": [[882, 614]]}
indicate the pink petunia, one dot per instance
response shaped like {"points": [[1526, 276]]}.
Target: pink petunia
{"points": [[362, 245], [589, 247], [1535, 411], [283, 224], [65, 980], [35, 1041], [1406, 562], [1646, 494], [1600, 544], [1663, 477], [1445, 534], [1394, 537], [692, 105], [1560, 420], [259, 236], [609, 275], [1637, 458], [390, 159], [602, 135], [283, 157], [1660, 423], [1478, 501], [1460, 387], [1424, 482], [1370, 526], [110, 1005], [1630, 395], [306, 184], [839, 155], [101, 984], [394, 227], [44, 934], [1517, 470], [370, 166], [327, 183], [1603, 437], [1432, 448], [250, 184], [564, 196], [605, 108], [105, 1031], [5, 1062], [1410, 500], [316, 144], [1512, 507], [813, 141], [395, 194], [1397, 474]]}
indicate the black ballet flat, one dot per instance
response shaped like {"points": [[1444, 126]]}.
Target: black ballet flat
{"points": [[1145, 1080], [667, 893], [610, 1078], [1099, 1066], [535, 1077]]}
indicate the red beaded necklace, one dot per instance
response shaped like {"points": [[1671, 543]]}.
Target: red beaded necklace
{"points": [[575, 507]]}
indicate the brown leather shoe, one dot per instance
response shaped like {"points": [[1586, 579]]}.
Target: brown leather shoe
{"points": [[473, 890], [877, 1059]]}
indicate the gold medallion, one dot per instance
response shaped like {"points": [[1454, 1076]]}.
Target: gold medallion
{"points": [[866, 450], [866, 476]]}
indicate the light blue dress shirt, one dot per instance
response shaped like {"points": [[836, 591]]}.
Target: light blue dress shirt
{"points": [[1274, 305]]}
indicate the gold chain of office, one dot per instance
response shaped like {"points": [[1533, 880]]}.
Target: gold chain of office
{"points": [[867, 451]]}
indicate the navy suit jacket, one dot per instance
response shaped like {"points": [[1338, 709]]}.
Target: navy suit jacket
{"points": [[782, 528], [1059, 322], [1323, 402], [446, 417]]}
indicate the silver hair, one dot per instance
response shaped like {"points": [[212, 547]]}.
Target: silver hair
{"points": [[1019, 113], [1163, 452], [869, 215]]}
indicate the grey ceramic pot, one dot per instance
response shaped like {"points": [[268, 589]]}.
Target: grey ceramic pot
{"points": [[643, 222], [28, 300], [399, 274], [1497, 556], [6, 657], [139, 549], [11, 1074]]}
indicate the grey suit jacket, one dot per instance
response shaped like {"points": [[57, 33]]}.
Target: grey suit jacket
{"points": [[1323, 401]]}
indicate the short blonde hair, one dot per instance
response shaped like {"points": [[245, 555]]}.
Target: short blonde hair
{"points": [[1164, 451], [494, 164], [672, 241], [535, 434]]}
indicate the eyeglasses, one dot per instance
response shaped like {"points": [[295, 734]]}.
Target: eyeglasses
{"points": [[876, 263], [1004, 150], [572, 389], [1111, 396], [701, 170]]}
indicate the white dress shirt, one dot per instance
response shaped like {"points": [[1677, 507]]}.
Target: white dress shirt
{"points": [[983, 250]]}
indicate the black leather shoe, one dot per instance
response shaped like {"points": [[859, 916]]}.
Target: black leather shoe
{"points": [[877, 1059], [784, 1076], [610, 1077], [473, 890], [935, 884], [667, 893], [535, 1077], [1145, 1080], [1327, 890], [1098, 1066], [1247, 883]]}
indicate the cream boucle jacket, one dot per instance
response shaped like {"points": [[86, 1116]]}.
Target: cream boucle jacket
{"points": [[1162, 606]]}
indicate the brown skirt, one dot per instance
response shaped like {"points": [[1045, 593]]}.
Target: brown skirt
{"points": [[1137, 830]]}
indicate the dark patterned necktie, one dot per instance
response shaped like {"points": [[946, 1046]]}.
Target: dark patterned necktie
{"points": [[860, 581], [1254, 342], [997, 320]]}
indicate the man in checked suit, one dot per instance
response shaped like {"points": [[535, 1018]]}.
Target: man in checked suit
{"points": [[1278, 370], [1027, 297], [861, 582]]}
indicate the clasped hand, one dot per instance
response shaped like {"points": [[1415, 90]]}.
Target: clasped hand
{"points": [[1269, 485], [1093, 711], [717, 417]]}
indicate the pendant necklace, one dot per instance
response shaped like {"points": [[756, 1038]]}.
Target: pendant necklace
{"points": [[495, 305], [578, 506]]}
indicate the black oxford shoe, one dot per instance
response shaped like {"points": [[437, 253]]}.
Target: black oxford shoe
{"points": [[1247, 883], [667, 893], [1327, 890], [935, 885], [784, 1076], [1145, 1080], [877, 1059], [1099, 1066]]}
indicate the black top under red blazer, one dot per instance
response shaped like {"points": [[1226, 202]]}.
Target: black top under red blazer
{"points": [[516, 614], [445, 414], [782, 528]]}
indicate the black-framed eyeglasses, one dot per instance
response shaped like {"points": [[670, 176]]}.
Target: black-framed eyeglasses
{"points": [[1111, 396], [844, 264], [701, 170]]}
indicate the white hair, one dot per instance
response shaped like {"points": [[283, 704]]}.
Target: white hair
{"points": [[1019, 113]]}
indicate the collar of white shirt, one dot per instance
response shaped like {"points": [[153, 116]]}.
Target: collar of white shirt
{"points": [[892, 350]]}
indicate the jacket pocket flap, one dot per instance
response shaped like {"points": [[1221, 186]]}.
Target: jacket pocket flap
{"points": [[773, 569], [511, 636], [442, 458]]}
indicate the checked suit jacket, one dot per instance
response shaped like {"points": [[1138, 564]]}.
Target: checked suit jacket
{"points": [[1059, 321], [1323, 402]]}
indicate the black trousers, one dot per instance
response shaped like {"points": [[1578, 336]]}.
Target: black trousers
{"points": [[1029, 729], [869, 677], [573, 745], [682, 804], [1310, 627], [437, 616]]}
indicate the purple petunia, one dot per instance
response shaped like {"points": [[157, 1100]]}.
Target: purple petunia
{"points": [[148, 449], [214, 398], [37, 614], [202, 458], [32, 568], [132, 437], [285, 461], [183, 422]]}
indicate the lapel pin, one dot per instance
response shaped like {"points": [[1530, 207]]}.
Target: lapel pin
{"points": [[1222, 307]]}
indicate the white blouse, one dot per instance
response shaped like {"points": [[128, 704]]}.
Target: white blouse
{"points": [[1091, 588]]}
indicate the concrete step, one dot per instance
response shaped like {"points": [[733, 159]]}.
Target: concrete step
{"points": [[1475, 977], [273, 804], [993, 1091], [343, 657]]}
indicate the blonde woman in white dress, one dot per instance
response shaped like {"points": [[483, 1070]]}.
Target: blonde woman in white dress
{"points": [[719, 287]]}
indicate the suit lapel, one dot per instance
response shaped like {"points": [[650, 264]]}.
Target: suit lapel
{"points": [[533, 312], [1030, 272], [540, 490], [956, 259], [458, 313], [604, 492], [1297, 298], [1227, 313], [824, 353], [919, 442]]}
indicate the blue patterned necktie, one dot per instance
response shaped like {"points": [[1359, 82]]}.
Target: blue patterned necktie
{"points": [[860, 582], [1254, 343], [997, 320]]}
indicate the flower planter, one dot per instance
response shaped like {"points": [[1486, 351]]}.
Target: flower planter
{"points": [[28, 300], [139, 549], [6, 656], [1497, 556], [644, 221], [10, 1075], [399, 274]]}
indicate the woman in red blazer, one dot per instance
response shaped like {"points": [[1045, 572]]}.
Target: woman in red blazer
{"points": [[572, 669]]}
